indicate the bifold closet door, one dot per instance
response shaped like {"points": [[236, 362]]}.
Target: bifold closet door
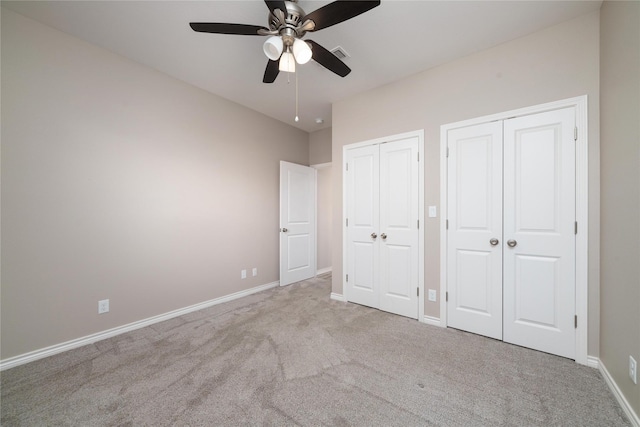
{"points": [[539, 231], [474, 236], [382, 231]]}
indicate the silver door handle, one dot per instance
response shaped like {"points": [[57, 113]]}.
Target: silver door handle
{"points": [[511, 243], [494, 241], [374, 235], [284, 230], [384, 236]]}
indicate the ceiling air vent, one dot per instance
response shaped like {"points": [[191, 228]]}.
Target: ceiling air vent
{"points": [[340, 53]]}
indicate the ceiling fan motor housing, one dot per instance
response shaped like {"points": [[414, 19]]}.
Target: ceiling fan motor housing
{"points": [[289, 26]]}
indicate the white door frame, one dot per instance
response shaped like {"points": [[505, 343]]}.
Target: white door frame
{"points": [[582, 199], [420, 135]]}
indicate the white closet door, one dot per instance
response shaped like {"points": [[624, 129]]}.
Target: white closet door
{"points": [[474, 259], [539, 218], [362, 213], [398, 239]]}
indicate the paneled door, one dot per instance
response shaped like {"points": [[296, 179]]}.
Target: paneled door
{"points": [[511, 232], [297, 222], [363, 225], [398, 244], [539, 231], [474, 244], [382, 184]]}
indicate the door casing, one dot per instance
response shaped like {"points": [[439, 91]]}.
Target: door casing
{"points": [[582, 237]]}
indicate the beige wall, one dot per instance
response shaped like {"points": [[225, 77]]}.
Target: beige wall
{"points": [[320, 154], [324, 218], [556, 63], [120, 182], [620, 188], [320, 147]]}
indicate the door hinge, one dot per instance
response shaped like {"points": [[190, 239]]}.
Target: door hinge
{"points": [[575, 227], [447, 151], [418, 156], [446, 296], [417, 292], [447, 222], [575, 321], [418, 221], [347, 222], [347, 278], [575, 133], [346, 165]]}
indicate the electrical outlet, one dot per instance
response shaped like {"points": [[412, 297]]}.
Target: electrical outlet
{"points": [[633, 370], [103, 306], [255, 271], [243, 274], [432, 295]]}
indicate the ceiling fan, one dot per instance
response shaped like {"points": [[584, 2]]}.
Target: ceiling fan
{"points": [[288, 24]]}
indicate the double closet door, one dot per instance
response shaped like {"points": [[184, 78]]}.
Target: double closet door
{"points": [[511, 230], [382, 206]]}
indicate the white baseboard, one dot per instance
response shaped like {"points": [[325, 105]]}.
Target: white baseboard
{"points": [[323, 270], [90, 339], [429, 320], [633, 417], [593, 362], [338, 297]]}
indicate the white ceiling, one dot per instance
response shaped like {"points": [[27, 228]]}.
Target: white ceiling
{"points": [[392, 41]]}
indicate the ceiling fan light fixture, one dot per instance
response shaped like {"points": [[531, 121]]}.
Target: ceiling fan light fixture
{"points": [[301, 51], [273, 47], [287, 62]]}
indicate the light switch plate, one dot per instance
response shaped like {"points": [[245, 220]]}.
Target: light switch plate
{"points": [[432, 212]]}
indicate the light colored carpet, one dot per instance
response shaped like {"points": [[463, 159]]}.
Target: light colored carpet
{"points": [[291, 356]]}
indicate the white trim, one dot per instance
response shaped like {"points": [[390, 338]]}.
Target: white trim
{"points": [[338, 297], [323, 271], [617, 393], [582, 209], [430, 320], [593, 362], [90, 339], [321, 165], [420, 135]]}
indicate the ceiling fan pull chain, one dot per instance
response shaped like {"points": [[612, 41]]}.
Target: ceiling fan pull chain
{"points": [[297, 118]]}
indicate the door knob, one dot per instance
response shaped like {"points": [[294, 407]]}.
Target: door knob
{"points": [[494, 241], [284, 230], [384, 236], [511, 243], [374, 235]]}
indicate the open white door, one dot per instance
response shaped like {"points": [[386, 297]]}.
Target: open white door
{"points": [[297, 222]]}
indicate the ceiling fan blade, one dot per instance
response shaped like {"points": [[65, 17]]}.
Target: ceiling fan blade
{"points": [[225, 28], [273, 5], [327, 59], [271, 72], [338, 11]]}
